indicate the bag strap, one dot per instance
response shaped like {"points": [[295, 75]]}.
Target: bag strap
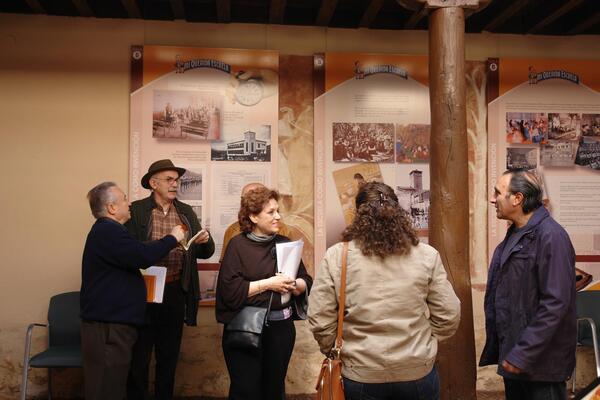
{"points": [[341, 304]]}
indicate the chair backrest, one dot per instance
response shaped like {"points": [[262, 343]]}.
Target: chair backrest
{"points": [[588, 306], [63, 320]]}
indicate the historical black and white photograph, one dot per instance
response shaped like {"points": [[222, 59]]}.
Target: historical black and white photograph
{"points": [[588, 153], [186, 114], [521, 158], [412, 189], [363, 142], [190, 186], [558, 153], [590, 125], [564, 126], [412, 143], [527, 128], [252, 144]]}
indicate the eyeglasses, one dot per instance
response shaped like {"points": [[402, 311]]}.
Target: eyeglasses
{"points": [[169, 179]]}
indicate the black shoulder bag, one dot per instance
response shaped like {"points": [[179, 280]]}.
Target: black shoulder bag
{"points": [[244, 331]]}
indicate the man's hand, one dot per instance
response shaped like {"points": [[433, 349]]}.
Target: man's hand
{"points": [[202, 237], [178, 232], [508, 367]]}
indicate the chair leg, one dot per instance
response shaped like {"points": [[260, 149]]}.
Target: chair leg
{"points": [[49, 383], [595, 340], [24, 378]]}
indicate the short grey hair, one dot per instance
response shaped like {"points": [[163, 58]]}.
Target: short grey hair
{"points": [[527, 183], [99, 196]]}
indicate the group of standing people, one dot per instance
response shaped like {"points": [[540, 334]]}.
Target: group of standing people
{"points": [[399, 303]]}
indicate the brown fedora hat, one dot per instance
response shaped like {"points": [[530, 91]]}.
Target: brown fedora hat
{"points": [[158, 166]]}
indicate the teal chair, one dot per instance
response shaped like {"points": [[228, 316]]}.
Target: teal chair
{"points": [[64, 340], [588, 319]]}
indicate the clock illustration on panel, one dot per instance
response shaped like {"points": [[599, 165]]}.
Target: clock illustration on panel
{"points": [[249, 92]]}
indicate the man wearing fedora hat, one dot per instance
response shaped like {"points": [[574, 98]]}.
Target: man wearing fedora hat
{"points": [[150, 217]]}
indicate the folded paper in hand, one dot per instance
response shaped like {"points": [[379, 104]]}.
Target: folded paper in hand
{"points": [[155, 278], [289, 255], [191, 241]]}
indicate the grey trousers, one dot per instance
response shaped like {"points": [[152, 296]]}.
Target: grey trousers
{"points": [[106, 349]]}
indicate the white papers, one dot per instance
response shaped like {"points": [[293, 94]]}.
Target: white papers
{"points": [[289, 255], [155, 278]]}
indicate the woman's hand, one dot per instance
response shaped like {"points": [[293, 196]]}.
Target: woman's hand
{"points": [[280, 284], [299, 287]]}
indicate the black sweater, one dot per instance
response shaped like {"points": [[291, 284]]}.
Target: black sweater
{"points": [[112, 287], [246, 261]]}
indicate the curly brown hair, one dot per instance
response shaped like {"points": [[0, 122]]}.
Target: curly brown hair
{"points": [[380, 227], [252, 203]]}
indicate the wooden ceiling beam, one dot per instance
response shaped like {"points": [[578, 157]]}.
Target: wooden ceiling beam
{"points": [[370, 13], [326, 12], [510, 11], [83, 8], [132, 9], [276, 11], [35, 6], [585, 24], [223, 11], [417, 16], [178, 9], [562, 10]]}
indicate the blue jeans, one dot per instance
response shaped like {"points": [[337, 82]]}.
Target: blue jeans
{"points": [[426, 388]]}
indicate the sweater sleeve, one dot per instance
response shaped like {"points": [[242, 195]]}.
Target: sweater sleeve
{"points": [[130, 253]]}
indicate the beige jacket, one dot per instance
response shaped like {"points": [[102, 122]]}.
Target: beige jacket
{"points": [[397, 309]]}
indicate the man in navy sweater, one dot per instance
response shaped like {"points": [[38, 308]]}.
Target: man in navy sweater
{"points": [[113, 293]]}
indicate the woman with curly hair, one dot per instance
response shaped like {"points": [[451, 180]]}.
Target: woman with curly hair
{"points": [[399, 303], [248, 277]]}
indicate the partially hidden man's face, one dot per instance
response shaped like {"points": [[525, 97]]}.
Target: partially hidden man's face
{"points": [[119, 207], [164, 184], [502, 199]]}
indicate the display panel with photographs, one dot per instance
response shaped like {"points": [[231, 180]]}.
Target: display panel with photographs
{"points": [[253, 144], [363, 142], [521, 158], [349, 180], [186, 114], [558, 153], [190, 186], [588, 154], [527, 128], [412, 189], [412, 143], [564, 126], [590, 125]]}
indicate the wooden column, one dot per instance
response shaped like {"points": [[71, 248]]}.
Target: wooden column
{"points": [[449, 212]]}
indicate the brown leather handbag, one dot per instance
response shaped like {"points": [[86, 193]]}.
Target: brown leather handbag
{"points": [[330, 385]]}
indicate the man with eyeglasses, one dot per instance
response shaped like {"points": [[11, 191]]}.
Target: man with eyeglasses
{"points": [[150, 218]]}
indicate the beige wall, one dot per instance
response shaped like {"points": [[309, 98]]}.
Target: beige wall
{"points": [[64, 118]]}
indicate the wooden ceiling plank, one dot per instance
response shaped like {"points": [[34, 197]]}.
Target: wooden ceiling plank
{"points": [[370, 13], [276, 11], [132, 9], [35, 6], [224, 11], [178, 9], [506, 14], [562, 10], [326, 12], [83, 8], [585, 24], [415, 18]]}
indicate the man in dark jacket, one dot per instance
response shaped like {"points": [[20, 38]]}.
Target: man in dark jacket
{"points": [[113, 294], [150, 217], [530, 312]]}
